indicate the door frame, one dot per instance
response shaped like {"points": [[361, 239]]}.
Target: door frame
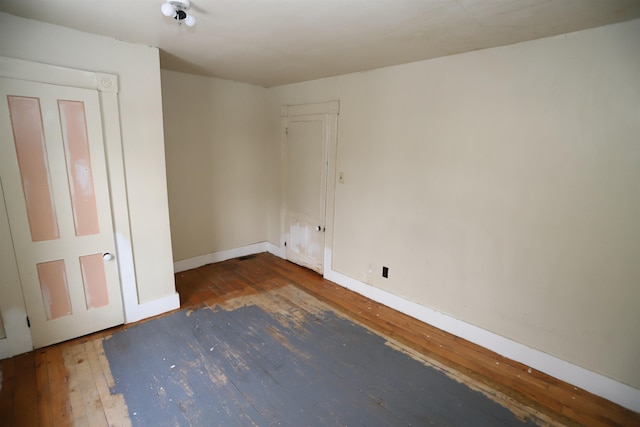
{"points": [[330, 110], [18, 336]]}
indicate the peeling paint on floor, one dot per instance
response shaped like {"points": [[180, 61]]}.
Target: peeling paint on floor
{"points": [[284, 358]]}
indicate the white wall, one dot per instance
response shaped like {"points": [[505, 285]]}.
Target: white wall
{"points": [[138, 73], [501, 187], [214, 138]]}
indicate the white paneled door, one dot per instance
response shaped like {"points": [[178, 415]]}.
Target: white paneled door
{"points": [[305, 190], [308, 138], [55, 185]]}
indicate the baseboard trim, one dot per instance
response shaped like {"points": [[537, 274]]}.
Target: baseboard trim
{"points": [[152, 308], [199, 261], [275, 250], [595, 383]]}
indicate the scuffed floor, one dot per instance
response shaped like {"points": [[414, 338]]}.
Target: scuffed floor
{"points": [[284, 358], [89, 384]]}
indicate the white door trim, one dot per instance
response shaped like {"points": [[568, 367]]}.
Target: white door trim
{"points": [[55, 75], [332, 107], [14, 313], [107, 87]]}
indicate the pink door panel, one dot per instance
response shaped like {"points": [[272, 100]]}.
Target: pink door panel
{"points": [[28, 134], [55, 292], [83, 198], [95, 281]]}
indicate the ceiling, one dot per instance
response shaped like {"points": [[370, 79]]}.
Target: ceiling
{"points": [[274, 42]]}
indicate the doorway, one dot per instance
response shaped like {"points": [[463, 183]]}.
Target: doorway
{"points": [[309, 135], [60, 268]]}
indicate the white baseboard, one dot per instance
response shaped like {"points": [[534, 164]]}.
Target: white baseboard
{"points": [[199, 261], [595, 383], [152, 308], [275, 250]]}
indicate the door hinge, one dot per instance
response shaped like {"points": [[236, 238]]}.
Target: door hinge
{"points": [[28, 322], [286, 131]]}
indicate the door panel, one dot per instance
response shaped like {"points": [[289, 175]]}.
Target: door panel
{"points": [[28, 134], [52, 276], [305, 190], [57, 197], [96, 290], [74, 131]]}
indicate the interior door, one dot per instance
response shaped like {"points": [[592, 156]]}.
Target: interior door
{"points": [[55, 183], [305, 190]]}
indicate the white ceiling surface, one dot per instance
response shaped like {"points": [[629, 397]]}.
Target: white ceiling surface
{"points": [[274, 42]]}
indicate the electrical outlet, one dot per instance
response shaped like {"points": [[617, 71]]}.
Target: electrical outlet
{"points": [[341, 177], [385, 272]]}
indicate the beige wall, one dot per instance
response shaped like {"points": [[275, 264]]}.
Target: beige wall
{"points": [[501, 187], [214, 137], [142, 134]]}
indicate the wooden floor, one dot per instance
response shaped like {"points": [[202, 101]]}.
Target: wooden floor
{"points": [[69, 383]]}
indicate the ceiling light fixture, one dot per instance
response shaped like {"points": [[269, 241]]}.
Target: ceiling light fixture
{"points": [[176, 9]]}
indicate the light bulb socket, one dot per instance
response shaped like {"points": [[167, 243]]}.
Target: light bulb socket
{"points": [[190, 21], [167, 9]]}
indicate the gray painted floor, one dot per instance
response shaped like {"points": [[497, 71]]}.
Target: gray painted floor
{"points": [[247, 366]]}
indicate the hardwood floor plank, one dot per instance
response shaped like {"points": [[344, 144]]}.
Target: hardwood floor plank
{"points": [[7, 392], [58, 384], [43, 382], [25, 409], [107, 404], [76, 401], [115, 409], [193, 287], [87, 385]]}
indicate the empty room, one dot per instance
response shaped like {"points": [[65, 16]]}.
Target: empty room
{"points": [[319, 213]]}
